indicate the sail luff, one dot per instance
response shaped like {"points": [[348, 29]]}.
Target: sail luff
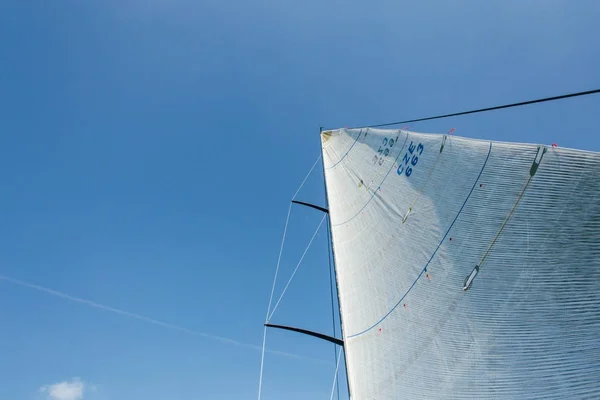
{"points": [[465, 268], [330, 238]]}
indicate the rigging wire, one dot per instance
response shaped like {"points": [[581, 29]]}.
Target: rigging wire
{"points": [[455, 114], [287, 220], [480, 110], [296, 269], [335, 353], [264, 345], [335, 377], [306, 177]]}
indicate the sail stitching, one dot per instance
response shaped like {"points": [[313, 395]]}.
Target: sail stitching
{"points": [[381, 183], [434, 253], [344, 156]]}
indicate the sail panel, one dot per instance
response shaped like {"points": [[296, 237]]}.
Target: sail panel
{"points": [[416, 216]]}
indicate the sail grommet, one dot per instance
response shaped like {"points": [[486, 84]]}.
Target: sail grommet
{"points": [[470, 278]]}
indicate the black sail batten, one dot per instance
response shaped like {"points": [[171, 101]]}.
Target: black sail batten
{"points": [[334, 340], [322, 209], [334, 266]]}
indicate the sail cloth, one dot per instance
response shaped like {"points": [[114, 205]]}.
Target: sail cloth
{"points": [[467, 269]]}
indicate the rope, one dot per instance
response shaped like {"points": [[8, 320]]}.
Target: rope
{"points": [[297, 266], [262, 361], [264, 344], [267, 317], [335, 354], [480, 110], [287, 220], [306, 177], [335, 380]]}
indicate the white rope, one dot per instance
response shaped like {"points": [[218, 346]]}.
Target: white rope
{"points": [[306, 177], [287, 220], [297, 266], [262, 357], [337, 366], [262, 362]]}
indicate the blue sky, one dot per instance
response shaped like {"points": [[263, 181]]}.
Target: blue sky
{"points": [[149, 149]]}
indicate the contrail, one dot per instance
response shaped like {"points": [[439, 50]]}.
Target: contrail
{"points": [[149, 320]]}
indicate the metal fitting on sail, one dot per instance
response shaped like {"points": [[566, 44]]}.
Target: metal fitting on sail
{"points": [[537, 160], [470, 278], [406, 215]]}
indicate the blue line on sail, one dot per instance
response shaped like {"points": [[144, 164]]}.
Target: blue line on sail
{"points": [[378, 187], [344, 156], [434, 253]]}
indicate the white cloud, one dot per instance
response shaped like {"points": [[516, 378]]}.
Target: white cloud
{"points": [[66, 390]]}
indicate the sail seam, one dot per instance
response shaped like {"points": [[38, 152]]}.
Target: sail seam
{"points": [[379, 186], [434, 253], [264, 343]]}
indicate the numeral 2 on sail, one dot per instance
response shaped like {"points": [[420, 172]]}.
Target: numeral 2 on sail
{"points": [[410, 159]]}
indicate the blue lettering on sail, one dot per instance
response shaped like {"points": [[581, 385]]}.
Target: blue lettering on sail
{"points": [[410, 159], [384, 150]]}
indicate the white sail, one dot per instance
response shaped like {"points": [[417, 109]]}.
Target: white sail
{"points": [[466, 269]]}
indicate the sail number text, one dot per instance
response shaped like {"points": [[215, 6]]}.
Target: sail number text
{"points": [[410, 159], [384, 150]]}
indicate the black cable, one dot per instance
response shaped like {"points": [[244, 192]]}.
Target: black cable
{"points": [[523, 103], [332, 305]]}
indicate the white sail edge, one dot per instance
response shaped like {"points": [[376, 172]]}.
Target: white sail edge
{"points": [[414, 214]]}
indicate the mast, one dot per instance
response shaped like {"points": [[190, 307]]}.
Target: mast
{"points": [[335, 267]]}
